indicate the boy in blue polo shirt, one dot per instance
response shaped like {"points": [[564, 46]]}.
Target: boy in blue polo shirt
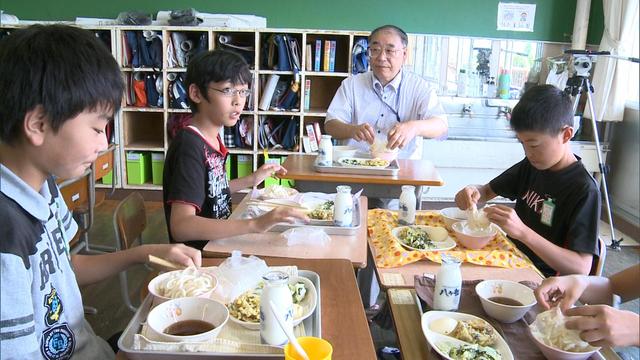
{"points": [[60, 88]]}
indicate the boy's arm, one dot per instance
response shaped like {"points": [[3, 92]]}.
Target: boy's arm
{"points": [[565, 261], [90, 269], [187, 226], [625, 283]]}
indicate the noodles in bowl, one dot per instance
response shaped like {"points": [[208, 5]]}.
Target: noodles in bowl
{"points": [[189, 282]]}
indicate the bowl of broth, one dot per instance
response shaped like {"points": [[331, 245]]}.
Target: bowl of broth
{"points": [[504, 300], [189, 319]]}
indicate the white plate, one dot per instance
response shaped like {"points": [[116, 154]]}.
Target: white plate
{"points": [[266, 194], [447, 244], [434, 338], [312, 203], [340, 161], [308, 304]]}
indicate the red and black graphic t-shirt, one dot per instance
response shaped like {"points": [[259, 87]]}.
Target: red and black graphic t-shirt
{"points": [[574, 195], [194, 173]]}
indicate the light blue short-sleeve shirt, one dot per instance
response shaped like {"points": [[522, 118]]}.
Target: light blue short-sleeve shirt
{"points": [[362, 99]]}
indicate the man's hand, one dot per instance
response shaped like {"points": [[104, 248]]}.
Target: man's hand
{"points": [[603, 325], [467, 197], [279, 215], [401, 135], [507, 219], [363, 132]]}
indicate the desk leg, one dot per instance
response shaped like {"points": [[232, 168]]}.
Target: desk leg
{"points": [[368, 283]]}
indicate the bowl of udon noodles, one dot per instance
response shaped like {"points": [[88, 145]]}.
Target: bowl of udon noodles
{"points": [[190, 282]]}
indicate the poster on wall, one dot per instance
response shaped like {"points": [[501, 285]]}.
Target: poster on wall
{"points": [[516, 17]]}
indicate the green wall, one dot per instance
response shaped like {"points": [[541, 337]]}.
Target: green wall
{"points": [[554, 18]]}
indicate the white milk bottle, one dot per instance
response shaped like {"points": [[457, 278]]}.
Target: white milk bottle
{"points": [[446, 296], [343, 206], [276, 289], [325, 151], [407, 205]]}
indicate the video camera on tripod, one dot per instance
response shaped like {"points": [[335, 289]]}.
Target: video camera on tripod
{"points": [[576, 84]]}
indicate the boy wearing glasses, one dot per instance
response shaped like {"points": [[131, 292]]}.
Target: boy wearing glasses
{"points": [[388, 100], [196, 193], [555, 221]]}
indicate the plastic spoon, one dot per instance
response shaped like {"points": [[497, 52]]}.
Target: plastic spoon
{"points": [[288, 332]]}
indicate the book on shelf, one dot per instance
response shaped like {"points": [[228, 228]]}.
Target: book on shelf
{"points": [[316, 129], [267, 93], [332, 56], [311, 134], [307, 93], [308, 60], [306, 145], [317, 55], [327, 53]]}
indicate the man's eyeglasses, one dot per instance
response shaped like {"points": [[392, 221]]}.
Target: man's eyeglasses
{"points": [[389, 52], [230, 92]]}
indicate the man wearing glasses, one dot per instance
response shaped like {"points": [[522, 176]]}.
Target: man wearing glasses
{"points": [[395, 104]]}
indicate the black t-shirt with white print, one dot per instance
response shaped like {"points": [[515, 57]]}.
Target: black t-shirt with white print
{"points": [[576, 206], [194, 173]]}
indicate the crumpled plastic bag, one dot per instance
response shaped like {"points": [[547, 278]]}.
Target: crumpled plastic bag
{"points": [[237, 274], [306, 236]]}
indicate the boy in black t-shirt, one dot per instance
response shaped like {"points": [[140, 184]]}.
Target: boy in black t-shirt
{"points": [[197, 195], [555, 221]]}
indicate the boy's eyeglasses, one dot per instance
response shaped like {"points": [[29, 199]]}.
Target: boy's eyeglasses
{"points": [[229, 92], [377, 51]]}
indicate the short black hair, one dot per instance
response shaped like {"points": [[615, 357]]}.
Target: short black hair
{"points": [[397, 30], [216, 66], [543, 108], [62, 68]]}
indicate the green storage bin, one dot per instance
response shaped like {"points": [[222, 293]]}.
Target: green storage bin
{"points": [[243, 165], [157, 167], [227, 167], [108, 179], [138, 167]]}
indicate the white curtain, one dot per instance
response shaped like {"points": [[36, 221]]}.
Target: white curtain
{"points": [[610, 75]]}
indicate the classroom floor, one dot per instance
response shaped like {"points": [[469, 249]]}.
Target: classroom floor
{"points": [[113, 315]]}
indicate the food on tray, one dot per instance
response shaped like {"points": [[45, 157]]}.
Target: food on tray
{"points": [[247, 306], [469, 352], [189, 328], [416, 238], [549, 328], [443, 325], [475, 331], [186, 283], [277, 192], [380, 150], [322, 212], [365, 162]]}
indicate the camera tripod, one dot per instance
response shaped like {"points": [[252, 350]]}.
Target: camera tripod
{"points": [[576, 85]]}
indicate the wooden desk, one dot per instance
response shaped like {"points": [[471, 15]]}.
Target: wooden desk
{"points": [[352, 248], [344, 323], [407, 314], [412, 172]]}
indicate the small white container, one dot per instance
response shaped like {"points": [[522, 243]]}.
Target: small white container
{"points": [[448, 287], [325, 151], [343, 206], [276, 289], [407, 205]]}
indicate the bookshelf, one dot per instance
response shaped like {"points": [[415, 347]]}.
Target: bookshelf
{"points": [[142, 127]]}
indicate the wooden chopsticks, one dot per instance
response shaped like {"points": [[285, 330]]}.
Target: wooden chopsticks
{"points": [[164, 264], [268, 203]]}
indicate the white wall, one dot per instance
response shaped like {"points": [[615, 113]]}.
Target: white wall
{"points": [[624, 179]]}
